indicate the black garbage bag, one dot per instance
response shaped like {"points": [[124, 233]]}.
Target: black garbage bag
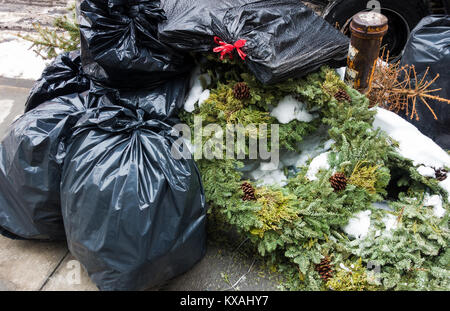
{"points": [[134, 215], [188, 22], [277, 39], [30, 169], [162, 103], [429, 46], [119, 44], [63, 76]]}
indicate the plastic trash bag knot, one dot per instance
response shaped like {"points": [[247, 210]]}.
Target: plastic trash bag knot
{"points": [[116, 119], [125, 120], [135, 8], [133, 11]]}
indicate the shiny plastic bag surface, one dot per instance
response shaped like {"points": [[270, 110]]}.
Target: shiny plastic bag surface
{"points": [[134, 215], [120, 48], [283, 38], [162, 103], [30, 169], [63, 76]]}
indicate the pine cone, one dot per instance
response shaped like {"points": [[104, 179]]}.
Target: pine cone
{"points": [[325, 269], [249, 192], [342, 96], [241, 90], [441, 174], [338, 181]]}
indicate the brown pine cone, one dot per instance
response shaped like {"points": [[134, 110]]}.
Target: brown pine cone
{"points": [[249, 192], [241, 90], [441, 174], [338, 181], [342, 96], [325, 269]]}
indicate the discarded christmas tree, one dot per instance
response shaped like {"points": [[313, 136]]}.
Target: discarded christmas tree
{"points": [[65, 37], [401, 89]]}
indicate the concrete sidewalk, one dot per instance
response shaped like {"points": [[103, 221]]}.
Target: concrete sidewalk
{"points": [[30, 265], [19, 15], [49, 266]]}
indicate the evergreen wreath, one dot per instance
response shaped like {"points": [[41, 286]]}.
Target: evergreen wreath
{"points": [[296, 225]]}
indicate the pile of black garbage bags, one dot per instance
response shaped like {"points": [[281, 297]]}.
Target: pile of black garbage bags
{"points": [[91, 160]]}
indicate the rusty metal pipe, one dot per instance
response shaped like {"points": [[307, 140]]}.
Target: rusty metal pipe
{"points": [[367, 31]]}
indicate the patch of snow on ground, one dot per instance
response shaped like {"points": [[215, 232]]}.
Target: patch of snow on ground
{"points": [[194, 95], [436, 202], [390, 221], [413, 144], [358, 226], [18, 61], [310, 147], [196, 91], [426, 171], [274, 178], [268, 166], [289, 109], [203, 97], [445, 184], [318, 163], [269, 174]]}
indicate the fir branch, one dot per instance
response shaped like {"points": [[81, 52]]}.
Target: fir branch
{"points": [[48, 43]]}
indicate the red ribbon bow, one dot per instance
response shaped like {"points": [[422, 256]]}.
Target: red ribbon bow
{"points": [[227, 49]]}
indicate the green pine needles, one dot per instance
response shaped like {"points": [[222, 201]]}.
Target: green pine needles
{"points": [[48, 43], [294, 227]]}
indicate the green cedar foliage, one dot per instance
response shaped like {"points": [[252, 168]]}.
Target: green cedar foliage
{"points": [[352, 277]]}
